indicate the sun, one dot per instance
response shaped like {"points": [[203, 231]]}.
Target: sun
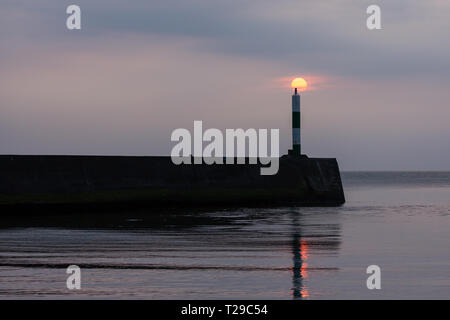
{"points": [[299, 83]]}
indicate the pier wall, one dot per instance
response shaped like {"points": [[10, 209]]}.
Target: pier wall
{"points": [[38, 181]]}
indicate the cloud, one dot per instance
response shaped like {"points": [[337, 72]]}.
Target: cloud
{"points": [[316, 36]]}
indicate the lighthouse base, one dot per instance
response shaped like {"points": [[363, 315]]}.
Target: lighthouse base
{"points": [[296, 152]]}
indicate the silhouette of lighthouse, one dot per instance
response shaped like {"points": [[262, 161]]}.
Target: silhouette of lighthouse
{"points": [[297, 84], [296, 138]]}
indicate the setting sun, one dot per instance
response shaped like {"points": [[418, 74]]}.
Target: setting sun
{"points": [[299, 83]]}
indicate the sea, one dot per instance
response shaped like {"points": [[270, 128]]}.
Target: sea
{"points": [[397, 223]]}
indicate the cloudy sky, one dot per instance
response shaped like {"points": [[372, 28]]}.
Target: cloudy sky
{"points": [[137, 70]]}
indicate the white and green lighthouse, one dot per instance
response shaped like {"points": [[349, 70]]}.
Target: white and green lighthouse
{"points": [[296, 137], [297, 84]]}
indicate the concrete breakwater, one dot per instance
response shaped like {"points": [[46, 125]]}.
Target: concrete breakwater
{"points": [[35, 182]]}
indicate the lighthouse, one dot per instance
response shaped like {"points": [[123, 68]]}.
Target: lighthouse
{"points": [[297, 84], [296, 139]]}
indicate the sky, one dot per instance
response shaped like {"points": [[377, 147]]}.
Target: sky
{"points": [[139, 69]]}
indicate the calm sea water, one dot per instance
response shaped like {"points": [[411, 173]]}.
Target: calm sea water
{"points": [[399, 221]]}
